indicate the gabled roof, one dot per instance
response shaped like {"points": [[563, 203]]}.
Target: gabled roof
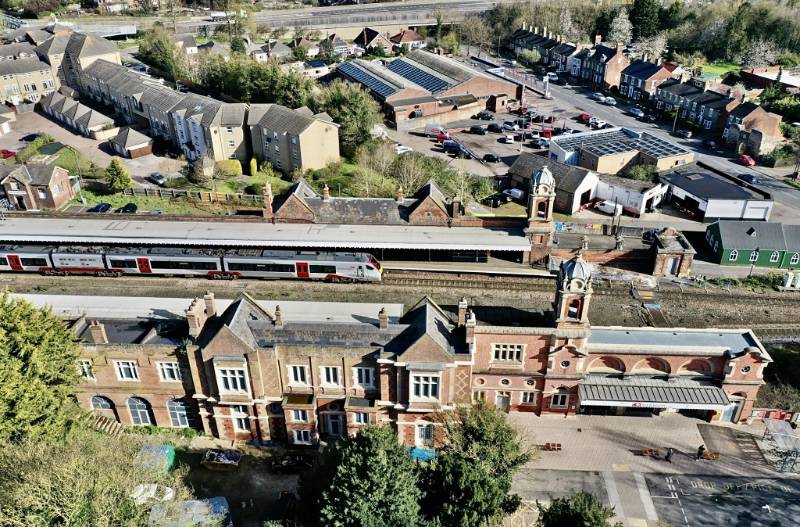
{"points": [[642, 69], [37, 175], [752, 235], [679, 88], [565, 48], [431, 190], [84, 45], [568, 177], [407, 35], [603, 53], [367, 36], [426, 318], [275, 47], [302, 42], [55, 45], [186, 41], [16, 67], [280, 118], [744, 109]]}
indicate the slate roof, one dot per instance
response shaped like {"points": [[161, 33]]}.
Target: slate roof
{"points": [[679, 88], [15, 67], [603, 53], [565, 48], [38, 36], [705, 183], [568, 178], [641, 69], [84, 45], [367, 36], [162, 332], [638, 389], [37, 175], [426, 318], [744, 109], [280, 118], [130, 138], [277, 48], [752, 235], [303, 43], [444, 66], [16, 49]]}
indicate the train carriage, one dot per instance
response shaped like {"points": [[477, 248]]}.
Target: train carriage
{"points": [[24, 258], [165, 261]]}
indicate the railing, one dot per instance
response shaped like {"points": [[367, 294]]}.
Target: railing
{"points": [[211, 197]]}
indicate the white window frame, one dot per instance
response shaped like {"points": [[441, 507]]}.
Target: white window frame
{"points": [[323, 376], [560, 395], [300, 435], [173, 414], [795, 259], [528, 397], [774, 257], [369, 373], [508, 352], [734, 255], [165, 366], [754, 256], [293, 378], [222, 375], [433, 384], [361, 418], [86, 369], [239, 416], [119, 364], [299, 416], [423, 434]]}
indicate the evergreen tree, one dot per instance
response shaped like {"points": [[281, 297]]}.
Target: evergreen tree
{"points": [[237, 44], [364, 481], [620, 30], [645, 17], [581, 509], [38, 371], [116, 176]]}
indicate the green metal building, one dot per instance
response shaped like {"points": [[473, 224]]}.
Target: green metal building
{"points": [[756, 243]]}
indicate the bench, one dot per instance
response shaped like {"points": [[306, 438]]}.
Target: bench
{"points": [[552, 447], [650, 452]]}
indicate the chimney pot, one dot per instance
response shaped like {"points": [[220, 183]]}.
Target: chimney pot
{"points": [[326, 193], [268, 200], [536, 30], [211, 304], [598, 39], [278, 317], [399, 196], [462, 311], [98, 333], [383, 318]]}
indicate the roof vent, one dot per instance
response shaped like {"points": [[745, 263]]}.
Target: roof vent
{"points": [[751, 232], [694, 177]]}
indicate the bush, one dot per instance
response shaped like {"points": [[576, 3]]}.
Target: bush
{"points": [[253, 166], [33, 147], [228, 168], [642, 173]]}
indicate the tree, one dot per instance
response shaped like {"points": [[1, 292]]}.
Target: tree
{"points": [[581, 509], [116, 176], [367, 480], [327, 53], [300, 53], [450, 42], [644, 17], [760, 53], [669, 17], [352, 108], [438, 16], [530, 56], [642, 173], [652, 47], [83, 479], [237, 44], [620, 30], [38, 371], [158, 50], [565, 24], [475, 32]]}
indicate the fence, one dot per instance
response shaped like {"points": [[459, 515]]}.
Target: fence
{"points": [[211, 197]]}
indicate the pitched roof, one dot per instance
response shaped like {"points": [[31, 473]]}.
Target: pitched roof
{"points": [[130, 138], [568, 178], [705, 182], [642, 69], [15, 67], [84, 45], [38, 175], [752, 235], [426, 318], [407, 35], [279, 118], [679, 88], [744, 109], [367, 36], [16, 49], [565, 48], [55, 45]]}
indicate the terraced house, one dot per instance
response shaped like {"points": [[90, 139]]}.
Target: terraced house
{"points": [[26, 80]]}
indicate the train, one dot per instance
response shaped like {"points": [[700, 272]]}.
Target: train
{"points": [[211, 263]]}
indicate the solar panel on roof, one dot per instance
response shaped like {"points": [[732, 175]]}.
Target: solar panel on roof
{"points": [[417, 76], [373, 83]]}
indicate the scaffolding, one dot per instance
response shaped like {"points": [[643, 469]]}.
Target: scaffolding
{"points": [[785, 442]]}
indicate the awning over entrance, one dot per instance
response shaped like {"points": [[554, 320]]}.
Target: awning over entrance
{"points": [[646, 392]]}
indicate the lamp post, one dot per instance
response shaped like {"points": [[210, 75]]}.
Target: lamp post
{"points": [[753, 261]]}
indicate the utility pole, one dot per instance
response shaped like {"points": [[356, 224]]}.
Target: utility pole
{"points": [[675, 122]]}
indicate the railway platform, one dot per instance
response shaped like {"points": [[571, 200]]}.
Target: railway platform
{"points": [[493, 266]]}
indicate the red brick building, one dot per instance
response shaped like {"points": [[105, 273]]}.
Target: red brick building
{"points": [[35, 187], [248, 373]]}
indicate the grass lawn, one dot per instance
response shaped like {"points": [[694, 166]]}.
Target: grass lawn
{"points": [[720, 68], [67, 160], [338, 181], [179, 206], [791, 181]]}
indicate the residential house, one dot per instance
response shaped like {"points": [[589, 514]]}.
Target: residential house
{"points": [[26, 80], [753, 129], [311, 48], [544, 43], [603, 67], [292, 139], [52, 51], [371, 40], [640, 79], [341, 47], [272, 50], [81, 51], [130, 143], [710, 110], [205, 127], [86, 121], [187, 46], [35, 187], [674, 94], [561, 55], [408, 39], [312, 69], [17, 50]]}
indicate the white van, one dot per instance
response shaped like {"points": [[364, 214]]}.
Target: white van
{"points": [[433, 130], [609, 207], [514, 193]]}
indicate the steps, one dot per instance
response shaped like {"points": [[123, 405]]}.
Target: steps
{"points": [[103, 424]]}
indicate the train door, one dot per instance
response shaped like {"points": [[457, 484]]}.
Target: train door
{"points": [[302, 269], [360, 271], [144, 265], [13, 261]]}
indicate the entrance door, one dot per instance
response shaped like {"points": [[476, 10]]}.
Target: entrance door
{"points": [[503, 401], [335, 425], [673, 266], [586, 197], [424, 436], [14, 262], [302, 270], [144, 265], [21, 203]]}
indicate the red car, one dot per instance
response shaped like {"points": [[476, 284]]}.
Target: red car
{"points": [[5, 154], [441, 138], [584, 117], [747, 160]]}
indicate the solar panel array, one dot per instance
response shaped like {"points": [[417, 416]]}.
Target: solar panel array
{"points": [[607, 149], [418, 76], [655, 147], [371, 82], [578, 142], [616, 142]]}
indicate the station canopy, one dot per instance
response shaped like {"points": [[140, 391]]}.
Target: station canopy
{"points": [[649, 392]]}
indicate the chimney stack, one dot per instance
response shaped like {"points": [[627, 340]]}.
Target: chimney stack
{"points": [[456, 212], [267, 200], [383, 319], [98, 332], [326, 193], [278, 317], [470, 327], [211, 304], [195, 317], [462, 311], [399, 196], [536, 30], [598, 39], [658, 61]]}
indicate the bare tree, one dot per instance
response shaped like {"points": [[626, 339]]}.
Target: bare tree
{"points": [[652, 47], [475, 32], [621, 30], [565, 24], [760, 53]]}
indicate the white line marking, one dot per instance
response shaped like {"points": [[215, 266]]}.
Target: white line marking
{"points": [[613, 494], [644, 494]]}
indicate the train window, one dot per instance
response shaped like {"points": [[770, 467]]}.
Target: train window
{"points": [[123, 264], [326, 269], [167, 264], [33, 262], [3, 260], [261, 267]]}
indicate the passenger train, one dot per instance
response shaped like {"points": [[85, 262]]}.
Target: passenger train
{"points": [[212, 263]]}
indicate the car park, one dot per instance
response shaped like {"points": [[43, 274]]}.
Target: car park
{"points": [[441, 138], [100, 207], [508, 139], [522, 110], [610, 101], [522, 122], [495, 127], [550, 119], [129, 208], [5, 153], [514, 193], [491, 158], [597, 96], [511, 126], [609, 207], [636, 112], [433, 130], [477, 130], [746, 160], [686, 134], [402, 149], [157, 178], [485, 116]]}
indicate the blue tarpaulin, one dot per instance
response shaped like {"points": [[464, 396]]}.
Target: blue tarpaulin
{"points": [[422, 454]]}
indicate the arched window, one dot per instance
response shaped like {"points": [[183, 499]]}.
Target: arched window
{"points": [[753, 256], [141, 413], [178, 413], [774, 256], [102, 403], [795, 259], [574, 308], [541, 209], [733, 256]]}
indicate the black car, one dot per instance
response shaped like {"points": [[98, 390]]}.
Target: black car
{"points": [[485, 116], [463, 153], [541, 70], [710, 143], [100, 207], [30, 137], [478, 130], [130, 208], [560, 81], [648, 118], [750, 178], [495, 127], [491, 158], [495, 200]]}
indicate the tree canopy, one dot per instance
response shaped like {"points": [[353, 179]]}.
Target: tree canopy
{"points": [[116, 176], [645, 17], [352, 108], [621, 30], [582, 509], [38, 371], [157, 48]]}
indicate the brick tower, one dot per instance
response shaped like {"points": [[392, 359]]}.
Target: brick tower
{"points": [[541, 195]]}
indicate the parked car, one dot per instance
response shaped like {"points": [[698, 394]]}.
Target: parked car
{"points": [[598, 124], [561, 81], [510, 125], [648, 118], [552, 76], [495, 200], [541, 70], [514, 193], [485, 116], [597, 96], [710, 143], [522, 110], [550, 119], [441, 138], [508, 139], [610, 101], [584, 118], [477, 130], [750, 178], [130, 208], [491, 158], [156, 212], [636, 112], [606, 125], [746, 160], [686, 134], [449, 145], [522, 122], [100, 207], [494, 127], [30, 137], [157, 178], [542, 142], [5, 153], [609, 207], [432, 130], [402, 149]]}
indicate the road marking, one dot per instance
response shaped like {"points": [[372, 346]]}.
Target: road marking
{"points": [[644, 494], [613, 494]]}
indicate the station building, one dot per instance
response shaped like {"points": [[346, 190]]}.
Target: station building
{"points": [[247, 372]]}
